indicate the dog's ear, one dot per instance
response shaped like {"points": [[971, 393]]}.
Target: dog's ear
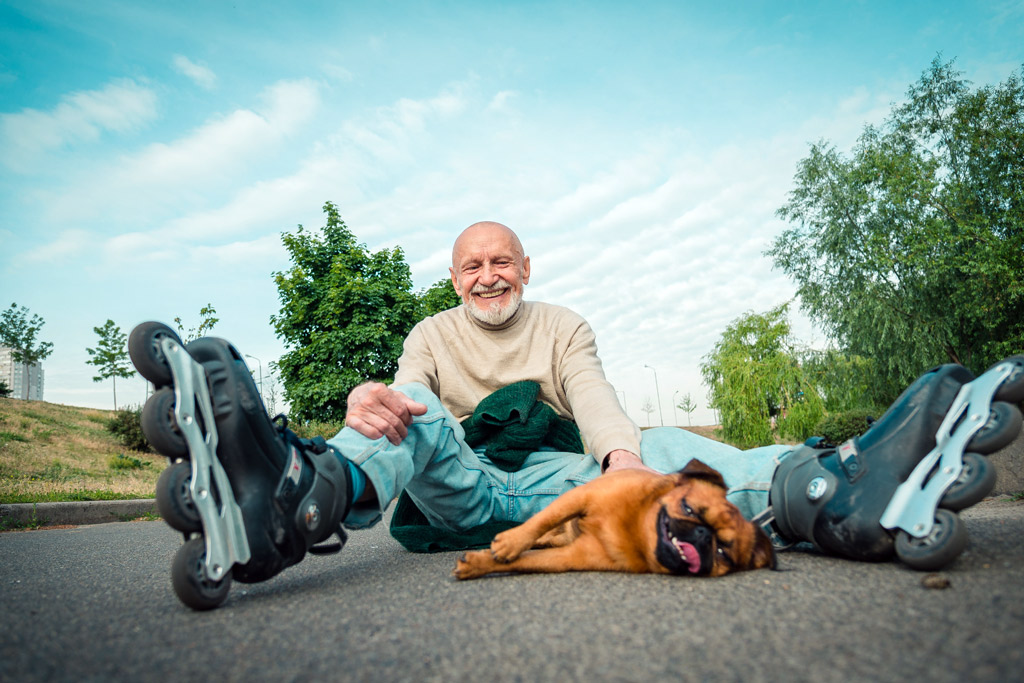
{"points": [[695, 469]]}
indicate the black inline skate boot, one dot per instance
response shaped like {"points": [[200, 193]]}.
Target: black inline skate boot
{"points": [[250, 497], [895, 490]]}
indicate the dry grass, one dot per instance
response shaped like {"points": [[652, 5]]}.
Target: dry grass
{"points": [[51, 452]]}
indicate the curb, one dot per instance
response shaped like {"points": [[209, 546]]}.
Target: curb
{"points": [[83, 512]]}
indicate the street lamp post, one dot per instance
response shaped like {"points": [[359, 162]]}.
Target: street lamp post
{"points": [[661, 415], [675, 418], [261, 373]]}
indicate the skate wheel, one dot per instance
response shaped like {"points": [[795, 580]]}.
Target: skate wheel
{"points": [[146, 354], [1004, 422], [161, 427], [189, 578], [946, 541], [976, 480], [174, 498], [1012, 388]]}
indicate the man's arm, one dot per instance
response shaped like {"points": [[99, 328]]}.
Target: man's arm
{"points": [[376, 410]]}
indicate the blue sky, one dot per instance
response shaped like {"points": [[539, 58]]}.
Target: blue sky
{"points": [[152, 153]]}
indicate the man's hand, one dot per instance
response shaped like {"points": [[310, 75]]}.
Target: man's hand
{"points": [[624, 460], [374, 410]]}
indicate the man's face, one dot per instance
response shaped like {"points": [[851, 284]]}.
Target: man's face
{"points": [[489, 271]]}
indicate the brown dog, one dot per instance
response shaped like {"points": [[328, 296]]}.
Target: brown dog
{"points": [[632, 521]]}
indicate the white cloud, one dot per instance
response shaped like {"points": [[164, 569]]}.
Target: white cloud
{"points": [[122, 106], [201, 75], [173, 177]]}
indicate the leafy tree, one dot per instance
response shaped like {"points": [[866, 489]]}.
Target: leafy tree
{"points": [[344, 315], [754, 376], [5, 391], [687, 405], [846, 382], [18, 333], [206, 323], [438, 297], [111, 355], [909, 249]]}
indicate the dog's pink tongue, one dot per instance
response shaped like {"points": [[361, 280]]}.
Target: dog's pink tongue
{"points": [[692, 557]]}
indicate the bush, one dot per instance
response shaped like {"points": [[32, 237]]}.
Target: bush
{"points": [[307, 430], [125, 462], [126, 425], [839, 427]]}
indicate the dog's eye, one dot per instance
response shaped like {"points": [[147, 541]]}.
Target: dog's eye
{"points": [[688, 510]]}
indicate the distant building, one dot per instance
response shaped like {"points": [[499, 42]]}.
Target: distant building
{"points": [[13, 375]]}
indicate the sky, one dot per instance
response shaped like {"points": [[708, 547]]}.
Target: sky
{"points": [[152, 154]]}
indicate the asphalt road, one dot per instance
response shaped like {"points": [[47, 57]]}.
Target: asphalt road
{"points": [[95, 603]]}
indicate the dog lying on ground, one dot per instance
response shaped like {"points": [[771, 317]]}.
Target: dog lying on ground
{"points": [[632, 521]]}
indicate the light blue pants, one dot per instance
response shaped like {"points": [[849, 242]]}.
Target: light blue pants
{"points": [[458, 488]]}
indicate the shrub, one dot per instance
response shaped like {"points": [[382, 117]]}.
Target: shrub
{"points": [[126, 425], [125, 462], [307, 430], [838, 427]]}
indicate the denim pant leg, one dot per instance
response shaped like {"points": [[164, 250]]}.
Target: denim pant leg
{"points": [[449, 482], [748, 474]]}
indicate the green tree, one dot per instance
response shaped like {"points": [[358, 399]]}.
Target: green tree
{"points": [[845, 382], [754, 377], [111, 355], [438, 297], [5, 391], [909, 251], [687, 405], [344, 315], [206, 323], [18, 333]]}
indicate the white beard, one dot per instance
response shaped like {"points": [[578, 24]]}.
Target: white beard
{"points": [[495, 314]]}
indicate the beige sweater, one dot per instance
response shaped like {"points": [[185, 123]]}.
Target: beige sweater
{"points": [[463, 361]]}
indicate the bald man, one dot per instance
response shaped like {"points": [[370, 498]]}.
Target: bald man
{"points": [[457, 358]]}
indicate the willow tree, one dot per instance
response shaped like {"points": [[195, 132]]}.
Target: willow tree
{"points": [[909, 250], [757, 383]]}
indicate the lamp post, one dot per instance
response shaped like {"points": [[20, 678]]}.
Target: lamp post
{"points": [[661, 415], [261, 373], [674, 416]]}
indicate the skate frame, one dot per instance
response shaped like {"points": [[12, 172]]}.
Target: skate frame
{"points": [[223, 529], [913, 505]]}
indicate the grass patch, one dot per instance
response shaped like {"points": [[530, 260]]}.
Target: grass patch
{"points": [[54, 453], [75, 496], [125, 462], [11, 436]]}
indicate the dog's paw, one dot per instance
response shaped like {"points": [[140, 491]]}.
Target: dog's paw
{"points": [[508, 545], [473, 564]]}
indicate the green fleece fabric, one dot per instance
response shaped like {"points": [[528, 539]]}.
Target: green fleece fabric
{"points": [[513, 424]]}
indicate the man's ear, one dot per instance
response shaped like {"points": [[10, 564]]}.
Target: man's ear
{"points": [[455, 282], [526, 270]]}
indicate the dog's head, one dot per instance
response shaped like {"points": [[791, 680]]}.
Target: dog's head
{"points": [[700, 533]]}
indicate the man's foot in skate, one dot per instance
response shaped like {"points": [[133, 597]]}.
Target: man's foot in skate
{"points": [[249, 496], [895, 490]]}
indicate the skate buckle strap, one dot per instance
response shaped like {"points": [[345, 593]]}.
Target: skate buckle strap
{"points": [[913, 505], [224, 531], [849, 459], [766, 520]]}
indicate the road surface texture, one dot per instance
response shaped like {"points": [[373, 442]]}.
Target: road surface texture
{"points": [[94, 603]]}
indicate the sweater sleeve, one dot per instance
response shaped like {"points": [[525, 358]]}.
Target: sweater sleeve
{"points": [[595, 407]]}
